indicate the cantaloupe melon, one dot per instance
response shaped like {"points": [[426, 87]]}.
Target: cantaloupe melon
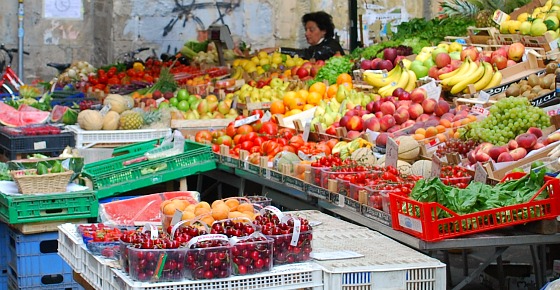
{"points": [[422, 168], [111, 121], [364, 156], [409, 149], [90, 120]]}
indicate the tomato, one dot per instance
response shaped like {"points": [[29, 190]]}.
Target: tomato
{"points": [[282, 141], [270, 128], [323, 147], [237, 139], [296, 141], [246, 145], [286, 133], [103, 79], [258, 141], [244, 129], [216, 148], [203, 136], [92, 80], [270, 148], [257, 125], [255, 149], [231, 131], [289, 148], [224, 140], [217, 133]]}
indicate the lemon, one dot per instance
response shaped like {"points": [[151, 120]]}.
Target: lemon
{"points": [[264, 61], [504, 26], [513, 26], [525, 28], [523, 17], [455, 46], [255, 60], [263, 55], [276, 59], [551, 22], [290, 63]]}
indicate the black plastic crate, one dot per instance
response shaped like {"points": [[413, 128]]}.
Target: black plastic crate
{"points": [[14, 145]]}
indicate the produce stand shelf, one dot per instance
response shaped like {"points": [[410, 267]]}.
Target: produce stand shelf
{"points": [[11, 146], [112, 176], [29, 208]]}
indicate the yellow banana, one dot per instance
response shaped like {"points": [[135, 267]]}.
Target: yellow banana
{"points": [[463, 66], [486, 78], [461, 75], [382, 75], [496, 80], [403, 80], [468, 79], [381, 82], [411, 81]]}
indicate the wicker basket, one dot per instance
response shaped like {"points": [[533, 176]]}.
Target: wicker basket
{"points": [[45, 183]]}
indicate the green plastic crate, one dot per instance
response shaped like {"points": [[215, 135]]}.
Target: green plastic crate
{"points": [[110, 177], [29, 208]]}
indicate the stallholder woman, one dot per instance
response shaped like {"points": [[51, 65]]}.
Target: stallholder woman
{"points": [[319, 33]]}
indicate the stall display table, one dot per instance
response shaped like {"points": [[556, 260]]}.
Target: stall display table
{"points": [[381, 262]]}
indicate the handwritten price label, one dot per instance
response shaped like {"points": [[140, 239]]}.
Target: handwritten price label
{"points": [[392, 154], [479, 110]]}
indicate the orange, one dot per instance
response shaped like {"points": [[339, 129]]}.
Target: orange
{"points": [[202, 204], [314, 98], [296, 103], [303, 94], [277, 107], [431, 132], [440, 128], [318, 87], [332, 90], [472, 118], [289, 97], [343, 78]]}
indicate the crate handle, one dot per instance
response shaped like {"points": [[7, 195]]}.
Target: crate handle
{"points": [[55, 211]]}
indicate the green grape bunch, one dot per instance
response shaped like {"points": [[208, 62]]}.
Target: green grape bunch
{"points": [[508, 118]]}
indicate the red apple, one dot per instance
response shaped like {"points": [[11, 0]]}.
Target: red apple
{"points": [[387, 122], [429, 106], [385, 65], [366, 64], [302, 72], [442, 59], [418, 95], [398, 59], [499, 61], [510, 63], [397, 93], [390, 54], [433, 72], [471, 52], [500, 51], [516, 51], [314, 70], [405, 96], [375, 63], [344, 120]]}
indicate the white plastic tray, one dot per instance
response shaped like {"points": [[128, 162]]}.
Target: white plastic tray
{"points": [[85, 138]]}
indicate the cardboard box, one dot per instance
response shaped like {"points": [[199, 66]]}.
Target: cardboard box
{"points": [[547, 41], [484, 35], [518, 72], [527, 8]]}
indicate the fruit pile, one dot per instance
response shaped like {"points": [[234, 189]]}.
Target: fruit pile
{"points": [[252, 254], [208, 257], [101, 239], [32, 130], [455, 176]]}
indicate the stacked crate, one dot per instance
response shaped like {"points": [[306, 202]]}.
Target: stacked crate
{"points": [[33, 262], [3, 256]]}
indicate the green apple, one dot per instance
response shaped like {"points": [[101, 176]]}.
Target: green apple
{"points": [[455, 55], [419, 69], [525, 28], [438, 51], [429, 62]]}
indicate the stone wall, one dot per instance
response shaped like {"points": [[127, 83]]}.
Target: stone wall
{"points": [[108, 28]]}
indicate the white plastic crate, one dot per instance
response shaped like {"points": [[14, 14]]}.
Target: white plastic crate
{"points": [[294, 276], [96, 271], [85, 138], [385, 264], [71, 246]]}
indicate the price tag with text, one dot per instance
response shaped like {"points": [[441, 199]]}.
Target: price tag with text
{"points": [[479, 110], [433, 91], [483, 96], [246, 121], [480, 173], [392, 153], [436, 166], [499, 16]]}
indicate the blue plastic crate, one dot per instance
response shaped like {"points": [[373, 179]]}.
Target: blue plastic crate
{"points": [[3, 252], [32, 245], [19, 283]]}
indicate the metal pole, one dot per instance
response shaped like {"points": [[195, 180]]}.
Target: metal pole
{"points": [[20, 39]]}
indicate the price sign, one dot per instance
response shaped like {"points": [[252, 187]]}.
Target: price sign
{"points": [[266, 117], [479, 110], [306, 130], [436, 166], [392, 153], [499, 16], [483, 96], [480, 173], [246, 121], [432, 90]]}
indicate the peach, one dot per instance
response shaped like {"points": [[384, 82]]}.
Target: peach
{"points": [[441, 108], [552, 138], [418, 95], [415, 110], [355, 123], [481, 156], [423, 118], [429, 105], [512, 144], [372, 124], [381, 140], [387, 122], [485, 147], [535, 131], [518, 153], [401, 115], [408, 123], [538, 146], [526, 140], [496, 151], [388, 108], [505, 157], [352, 134]]}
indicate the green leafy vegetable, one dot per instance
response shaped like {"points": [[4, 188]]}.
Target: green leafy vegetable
{"points": [[333, 67], [4, 172]]}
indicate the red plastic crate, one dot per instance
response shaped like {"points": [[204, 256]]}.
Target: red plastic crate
{"points": [[420, 219]]}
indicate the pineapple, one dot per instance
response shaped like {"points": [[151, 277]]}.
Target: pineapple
{"points": [[151, 117], [131, 120], [481, 11]]}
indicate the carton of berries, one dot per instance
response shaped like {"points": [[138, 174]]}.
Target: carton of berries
{"points": [[251, 250], [101, 240], [208, 257], [291, 235]]}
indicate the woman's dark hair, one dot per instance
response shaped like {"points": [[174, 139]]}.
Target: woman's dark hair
{"points": [[324, 22]]}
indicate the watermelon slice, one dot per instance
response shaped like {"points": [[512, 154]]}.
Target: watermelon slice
{"points": [[64, 114], [26, 115], [140, 210]]}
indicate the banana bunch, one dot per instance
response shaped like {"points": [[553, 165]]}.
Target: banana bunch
{"points": [[398, 77], [482, 76], [237, 72]]}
